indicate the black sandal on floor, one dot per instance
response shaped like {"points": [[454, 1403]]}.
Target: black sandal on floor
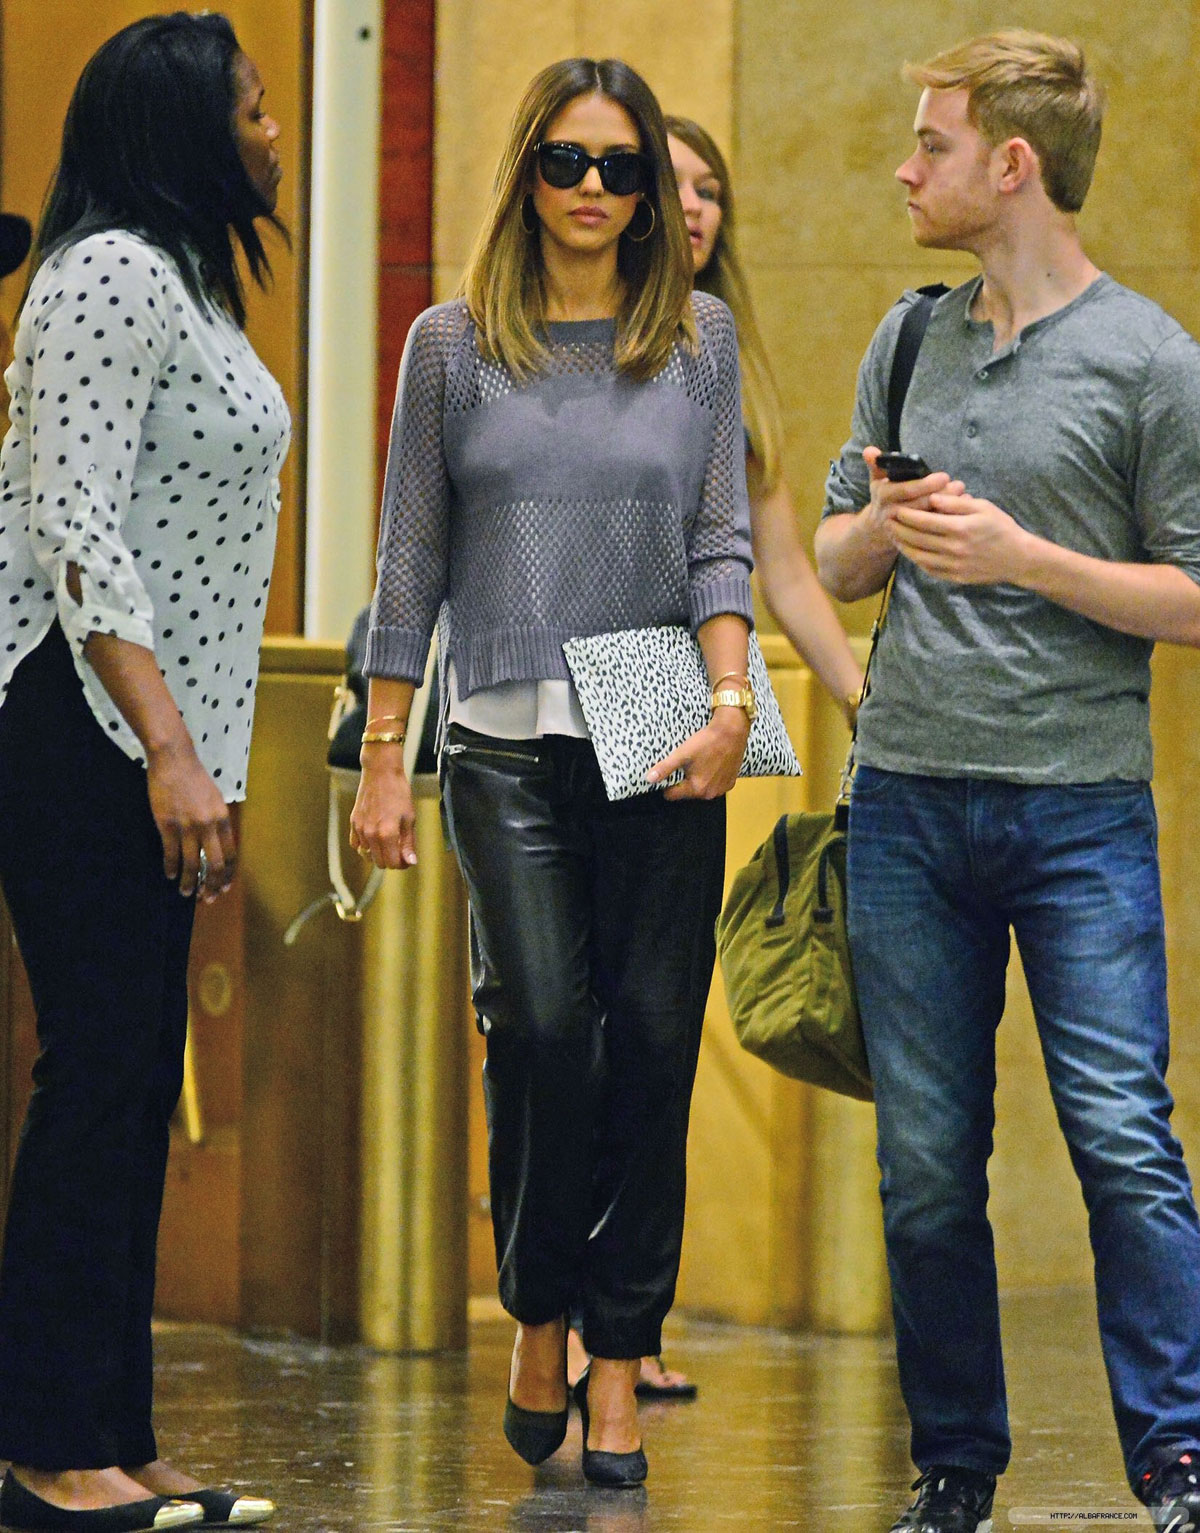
{"points": [[647, 1389]]}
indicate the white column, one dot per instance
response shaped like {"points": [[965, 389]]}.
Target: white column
{"points": [[343, 311]]}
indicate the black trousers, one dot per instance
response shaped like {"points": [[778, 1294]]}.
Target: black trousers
{"points": [[592, 955], [104, 936]]}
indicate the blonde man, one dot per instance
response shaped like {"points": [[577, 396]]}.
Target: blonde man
{"points": [[1005, 763]]}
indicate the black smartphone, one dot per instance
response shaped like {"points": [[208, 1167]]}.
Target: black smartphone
{"points": [[900, 466]]}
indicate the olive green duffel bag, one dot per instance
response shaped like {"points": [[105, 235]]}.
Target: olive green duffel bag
{"points": [[781, 939]]}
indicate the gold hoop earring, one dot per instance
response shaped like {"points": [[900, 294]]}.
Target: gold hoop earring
{"points": [[527, 207], [639, 239]]}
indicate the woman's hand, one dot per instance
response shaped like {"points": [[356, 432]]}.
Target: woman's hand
{"points": [[710, 759], [382, 821], [192, 818]]}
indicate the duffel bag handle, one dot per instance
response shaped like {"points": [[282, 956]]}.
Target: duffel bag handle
{"points": [[783, 871], [823, 910]]}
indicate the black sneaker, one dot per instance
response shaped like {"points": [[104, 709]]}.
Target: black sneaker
{"points": [[1172, 1493], [950, 1500]]}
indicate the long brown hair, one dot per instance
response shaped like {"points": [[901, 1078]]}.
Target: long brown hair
{"points": [[504, 283], [723, 276]]}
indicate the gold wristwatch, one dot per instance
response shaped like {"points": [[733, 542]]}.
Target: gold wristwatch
{"points": [[736, 697]]}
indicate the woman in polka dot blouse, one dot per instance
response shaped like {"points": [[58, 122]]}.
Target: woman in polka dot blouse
{"points": [[138, 503]]}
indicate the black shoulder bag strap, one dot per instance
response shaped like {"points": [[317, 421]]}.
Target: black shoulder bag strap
{"points": [[908, 344], [904, 360]]}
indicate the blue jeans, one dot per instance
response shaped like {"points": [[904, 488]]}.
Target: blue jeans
{"points": [[940, 869]]}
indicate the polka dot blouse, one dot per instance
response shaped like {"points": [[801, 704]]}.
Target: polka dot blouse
{"points": [[145, 447]]}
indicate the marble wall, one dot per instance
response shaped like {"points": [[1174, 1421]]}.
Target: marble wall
{"points": [[405, 192]]}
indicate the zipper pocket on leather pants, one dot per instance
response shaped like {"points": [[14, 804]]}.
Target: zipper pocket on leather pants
{"points": [[490, 750]]}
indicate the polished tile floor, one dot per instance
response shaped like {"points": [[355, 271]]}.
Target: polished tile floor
{"points": [[790, 1431]]}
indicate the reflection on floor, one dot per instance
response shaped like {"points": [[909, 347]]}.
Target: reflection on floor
{"points": [[790, 1431]]}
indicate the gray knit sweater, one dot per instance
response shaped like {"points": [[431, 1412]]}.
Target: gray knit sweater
{"points": [[576, 503]]}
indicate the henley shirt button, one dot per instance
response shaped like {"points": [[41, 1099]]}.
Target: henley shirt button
{"points": [[982, 375], [972, 429]]}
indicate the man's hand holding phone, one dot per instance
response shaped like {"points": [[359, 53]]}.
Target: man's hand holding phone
{"points": [[944, 531], [902, 481]]}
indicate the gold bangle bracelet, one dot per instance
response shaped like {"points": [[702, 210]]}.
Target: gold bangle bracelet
{"points": [[737, 676], [384, 737], [387, 718]]}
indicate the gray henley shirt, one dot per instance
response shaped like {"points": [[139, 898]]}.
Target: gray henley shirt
{"points": [[1086, 430]]}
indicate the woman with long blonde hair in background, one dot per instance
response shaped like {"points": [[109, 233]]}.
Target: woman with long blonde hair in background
{"points": [[793, 595]]}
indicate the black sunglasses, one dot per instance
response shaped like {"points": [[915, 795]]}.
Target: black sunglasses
{"points": [[622, 173]]}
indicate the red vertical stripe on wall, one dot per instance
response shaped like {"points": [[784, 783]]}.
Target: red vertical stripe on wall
{"points": [[405, 189]]}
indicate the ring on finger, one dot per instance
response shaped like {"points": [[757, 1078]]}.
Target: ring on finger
{"points": [[202, 871]]}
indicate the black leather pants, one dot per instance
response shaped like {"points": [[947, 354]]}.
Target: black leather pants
{"points": [[591, 958]]}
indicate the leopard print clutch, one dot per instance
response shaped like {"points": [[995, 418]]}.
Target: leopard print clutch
{"points": [[643, 691]]}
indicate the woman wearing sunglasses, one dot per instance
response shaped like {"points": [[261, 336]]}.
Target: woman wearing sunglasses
{"points": [[566, 459]]}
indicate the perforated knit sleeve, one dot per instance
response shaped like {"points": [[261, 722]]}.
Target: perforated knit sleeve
{"points": [[719, 559], [413, 555]]}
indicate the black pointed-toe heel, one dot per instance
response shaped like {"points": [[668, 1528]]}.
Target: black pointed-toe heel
{"points": [[535, 1435], [21, 1508], [619, 1471]]}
